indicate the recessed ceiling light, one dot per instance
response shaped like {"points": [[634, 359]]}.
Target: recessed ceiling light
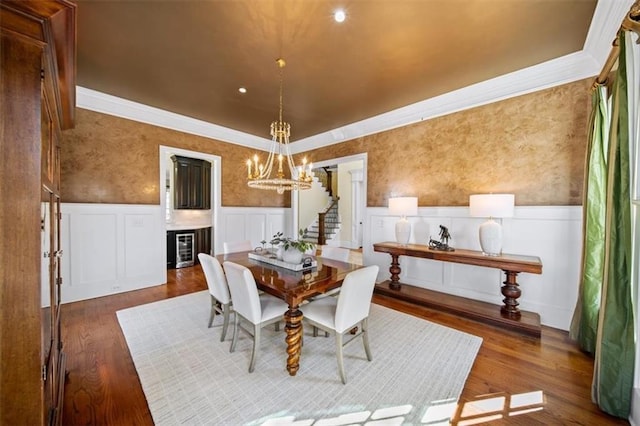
{"points": [[339, 15], [242, 90]]}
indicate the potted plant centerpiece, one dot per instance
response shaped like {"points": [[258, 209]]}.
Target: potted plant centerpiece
{"points": [[290, 250]]}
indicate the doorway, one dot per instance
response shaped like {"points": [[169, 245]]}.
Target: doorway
{"points": [[351, 187], [216, 187]]}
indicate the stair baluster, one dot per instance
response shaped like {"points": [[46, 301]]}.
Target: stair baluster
{"points": [[322, 237]]}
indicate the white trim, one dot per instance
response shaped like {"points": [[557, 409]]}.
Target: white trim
{"points": [[216, 190], [604, 27], [326, 163], [567, 69], [119, 107]]}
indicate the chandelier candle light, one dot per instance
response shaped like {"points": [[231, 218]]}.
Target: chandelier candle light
{"points": [[259, 175], [491, 206], [403, 207]]}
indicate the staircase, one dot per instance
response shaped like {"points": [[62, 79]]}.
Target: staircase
{"points": [[331, 226]]}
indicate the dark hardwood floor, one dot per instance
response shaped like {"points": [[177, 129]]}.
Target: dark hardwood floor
{"points": [[103, 387]]}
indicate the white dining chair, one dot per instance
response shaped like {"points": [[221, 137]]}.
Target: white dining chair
{"points": [[258, 310], [339, 315], [218, 289], [335, 253], [236, 246]]}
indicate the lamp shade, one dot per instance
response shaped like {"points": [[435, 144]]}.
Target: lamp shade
{"points": [[403, 206], [491, 205]]}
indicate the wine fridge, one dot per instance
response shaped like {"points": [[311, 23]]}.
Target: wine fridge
{"points": [[185, 255]]}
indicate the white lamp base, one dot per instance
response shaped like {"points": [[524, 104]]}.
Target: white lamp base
{"points": [[491, 238], [403, 231]]}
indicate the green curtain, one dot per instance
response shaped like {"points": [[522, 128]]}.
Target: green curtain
{"points": [[615, 347], [584, 325], [603, 323]]}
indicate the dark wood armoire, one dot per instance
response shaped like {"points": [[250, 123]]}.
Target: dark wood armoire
{"points": [[37, 102]]}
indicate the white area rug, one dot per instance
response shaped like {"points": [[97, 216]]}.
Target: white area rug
{"points": [[190, 377]]}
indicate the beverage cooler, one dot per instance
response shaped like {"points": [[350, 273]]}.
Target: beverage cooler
{"points": [[183, 246], [185, 249]]}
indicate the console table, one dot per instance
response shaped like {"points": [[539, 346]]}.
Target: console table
{"points": [[508, 315]]}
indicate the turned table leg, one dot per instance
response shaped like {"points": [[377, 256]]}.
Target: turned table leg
{"points": [[511, 293], [395, 272], [293, 328]]}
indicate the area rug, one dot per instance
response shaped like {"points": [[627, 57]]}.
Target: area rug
{"points": [[189, 377]]}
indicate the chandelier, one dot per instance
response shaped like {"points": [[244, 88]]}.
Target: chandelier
{"points": [[260, 175]]}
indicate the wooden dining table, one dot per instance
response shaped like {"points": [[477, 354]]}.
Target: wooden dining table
{"points": [[294, 287]]}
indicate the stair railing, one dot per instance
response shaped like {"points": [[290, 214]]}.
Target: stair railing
{"points": [[322, 238]]}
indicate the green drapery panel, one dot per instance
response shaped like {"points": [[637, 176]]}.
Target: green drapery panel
{"points": [[615, 346], [584, 325]]}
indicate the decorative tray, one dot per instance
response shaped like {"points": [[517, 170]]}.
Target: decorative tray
{"points": [[270, 258]]}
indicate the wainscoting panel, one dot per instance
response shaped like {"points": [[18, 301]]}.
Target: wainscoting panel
{"points": [[553, 233], [110, 248], [278, 221], [416, 270], [96, 234], [474, 279], [114, 248], [251, 223], [233, 229], [256, 226], [138, 260]]}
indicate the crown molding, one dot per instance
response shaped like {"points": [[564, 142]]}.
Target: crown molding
{"points": [[604, 26], [119, 107], [573, 67], [556, 72]]}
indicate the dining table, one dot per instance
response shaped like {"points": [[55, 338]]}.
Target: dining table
{"points": [[295, 287]]}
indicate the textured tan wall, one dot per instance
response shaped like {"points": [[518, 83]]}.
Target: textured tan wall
{"points": [[532, 146], [107, 159]]}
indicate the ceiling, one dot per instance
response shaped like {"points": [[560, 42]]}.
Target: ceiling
{"points": [[190, 57]]}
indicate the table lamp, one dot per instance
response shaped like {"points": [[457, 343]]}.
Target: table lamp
{"points": [[403, 207], [491, 206]]}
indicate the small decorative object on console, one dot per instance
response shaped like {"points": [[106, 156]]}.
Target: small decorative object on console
{"points": [[443, 244]]}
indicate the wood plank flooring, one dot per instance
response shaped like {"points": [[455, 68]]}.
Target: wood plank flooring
{"points": [[103, 387]]}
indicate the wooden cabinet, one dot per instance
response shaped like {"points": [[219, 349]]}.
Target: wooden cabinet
{"points": [[192, 183], [37, 88], [171, 249], [203, 241]]}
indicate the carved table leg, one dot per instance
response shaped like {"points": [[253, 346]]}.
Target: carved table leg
{"points": [[395, 272], [511, 293], [293, 328]]}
